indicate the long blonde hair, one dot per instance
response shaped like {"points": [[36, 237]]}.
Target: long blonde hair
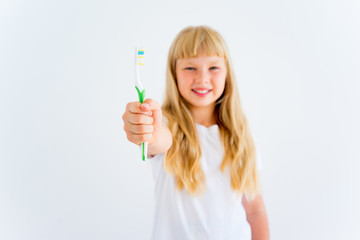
{"points": [[183, 158]]}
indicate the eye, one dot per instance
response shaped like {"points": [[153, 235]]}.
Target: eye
{"points": [[190, 68], [214, 68]]}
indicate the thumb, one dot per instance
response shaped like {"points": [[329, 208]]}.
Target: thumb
{"points": [[155, 108]]}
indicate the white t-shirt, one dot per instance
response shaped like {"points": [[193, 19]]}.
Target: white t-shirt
{"points": [[216, 215]]}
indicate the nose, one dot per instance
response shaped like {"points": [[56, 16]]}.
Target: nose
{"points": [[203, 76]]}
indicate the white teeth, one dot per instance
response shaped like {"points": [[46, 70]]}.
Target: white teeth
{"points": [[201, 91]]}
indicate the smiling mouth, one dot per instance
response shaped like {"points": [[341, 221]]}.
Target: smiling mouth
{"points": [[201, 91]]}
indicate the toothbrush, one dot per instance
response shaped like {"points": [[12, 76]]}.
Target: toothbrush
{"points": [[140, 54]]}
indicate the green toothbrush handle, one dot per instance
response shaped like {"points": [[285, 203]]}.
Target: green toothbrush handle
{"points": [[140, 94], [144, 144]]}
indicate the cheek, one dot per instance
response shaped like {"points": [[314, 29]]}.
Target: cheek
{"points": [[220, 81], [182, 83]]}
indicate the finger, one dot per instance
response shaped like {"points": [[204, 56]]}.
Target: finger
{"points": [[157, 119], [139, 138], [135, 107], [141, 129], [153, 105], [138, 119], [156, 112], [145, 107]]}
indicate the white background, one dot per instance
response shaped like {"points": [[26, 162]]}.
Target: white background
{"points": [[67, 72]]}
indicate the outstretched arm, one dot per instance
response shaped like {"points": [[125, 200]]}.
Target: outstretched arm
{"points": [[257, 218]]}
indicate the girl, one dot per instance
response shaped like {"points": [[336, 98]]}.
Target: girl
{"points": [[201, 151]]}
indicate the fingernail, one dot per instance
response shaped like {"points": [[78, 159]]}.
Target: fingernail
{"points": [[146, 105]]}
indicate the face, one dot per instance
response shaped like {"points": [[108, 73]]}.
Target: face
{"points": [[201, 80]]}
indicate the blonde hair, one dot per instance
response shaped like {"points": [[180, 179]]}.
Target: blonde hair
{"points": [[183, 158]]}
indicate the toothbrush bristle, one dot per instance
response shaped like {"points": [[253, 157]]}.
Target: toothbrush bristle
{"points": [[140, 57]]}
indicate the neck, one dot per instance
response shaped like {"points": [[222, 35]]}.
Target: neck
{"points": [[204, 116]]}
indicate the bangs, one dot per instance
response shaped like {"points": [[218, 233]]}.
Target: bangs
{"points": [[193, 41]]}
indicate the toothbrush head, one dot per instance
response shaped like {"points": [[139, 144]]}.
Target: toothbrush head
{"points": [[140, 56]]}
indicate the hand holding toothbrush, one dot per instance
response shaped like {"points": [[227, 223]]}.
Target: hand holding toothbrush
{"points": [[143, 123]]}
